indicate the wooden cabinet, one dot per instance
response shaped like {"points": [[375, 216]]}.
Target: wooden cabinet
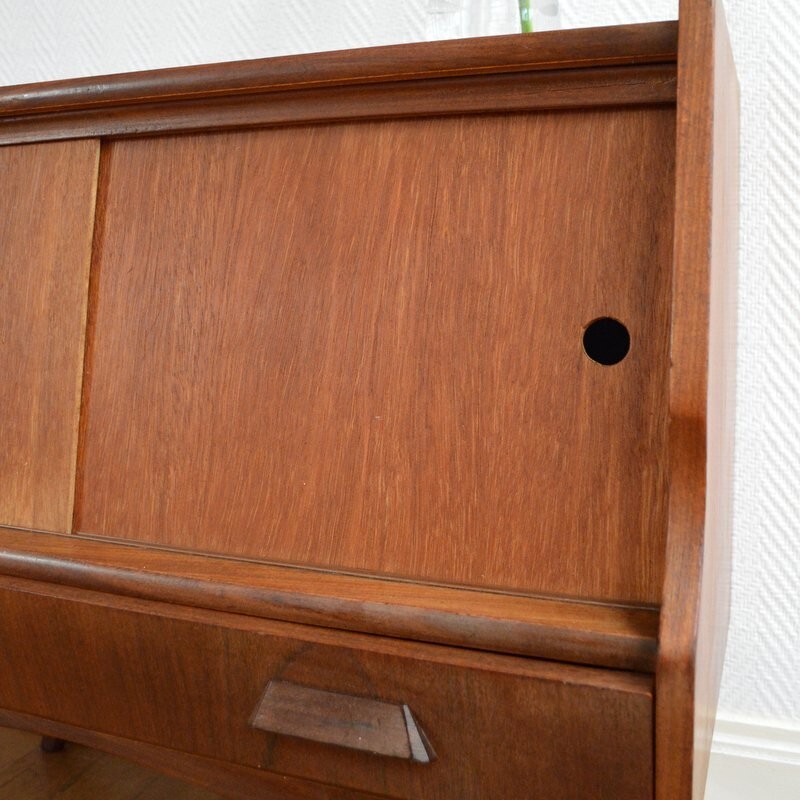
{"points": [[367, 415]]}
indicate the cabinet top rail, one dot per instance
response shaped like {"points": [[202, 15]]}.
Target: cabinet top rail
{"points": [[589, 49]]}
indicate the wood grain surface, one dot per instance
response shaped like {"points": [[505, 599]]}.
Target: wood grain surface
{"points": [[630, 64], [511, 720], [566, 49], [334, 377], [231, 781], [702, 404], [46, 222], [359, 346], [78, 773], [613, 636], [636, 85]]}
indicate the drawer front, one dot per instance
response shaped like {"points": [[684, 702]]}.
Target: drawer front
{"points": [[493, 726]]}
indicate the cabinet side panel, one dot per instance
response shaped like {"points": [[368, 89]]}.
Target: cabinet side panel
{"points": [[694, 618], [716, 581], [359, 346], [46, 219]]}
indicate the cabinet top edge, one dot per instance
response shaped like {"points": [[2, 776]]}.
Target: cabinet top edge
{"points": [[637, 44]]}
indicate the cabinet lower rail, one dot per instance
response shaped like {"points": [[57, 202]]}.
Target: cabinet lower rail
{"points": [[596, 634]]}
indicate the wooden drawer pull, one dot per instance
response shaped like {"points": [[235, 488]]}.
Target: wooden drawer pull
{"points": [[387, 729]]}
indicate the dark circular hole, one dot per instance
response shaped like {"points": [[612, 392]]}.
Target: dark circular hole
{"points": [[606, 341]]}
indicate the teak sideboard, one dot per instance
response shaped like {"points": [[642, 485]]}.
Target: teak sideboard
{"points": [[367, 416]]}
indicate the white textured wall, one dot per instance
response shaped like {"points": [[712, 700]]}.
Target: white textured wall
{"points": [[48, 39]]}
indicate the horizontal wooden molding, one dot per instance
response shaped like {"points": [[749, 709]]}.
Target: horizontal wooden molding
{"points": [[555, 629], [626, 65], [588, 47]]}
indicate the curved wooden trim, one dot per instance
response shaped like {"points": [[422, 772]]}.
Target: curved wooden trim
{"points": [[559, 630], [696, 588], [626, 65], [590, 47], [542, 90]]}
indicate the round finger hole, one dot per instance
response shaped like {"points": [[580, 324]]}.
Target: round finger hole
{"points": [[606, 341]]}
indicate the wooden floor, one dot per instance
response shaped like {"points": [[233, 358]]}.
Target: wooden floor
{"points": [[78, 773]]}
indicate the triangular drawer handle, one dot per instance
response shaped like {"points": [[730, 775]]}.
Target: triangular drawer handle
{"points": [[360, 723]]}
